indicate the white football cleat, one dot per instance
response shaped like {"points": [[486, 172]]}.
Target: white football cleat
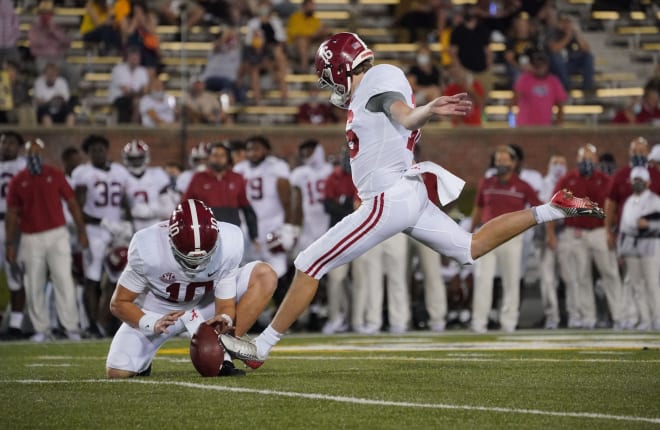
{"points": [[244, 350]]}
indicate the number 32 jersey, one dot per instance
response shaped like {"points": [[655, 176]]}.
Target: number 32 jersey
{"points": [[153, 272], [105, 189], [380, 149]]}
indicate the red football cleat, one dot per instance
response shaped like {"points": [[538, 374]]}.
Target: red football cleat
{"points": [[244, 350], [572, 206]]}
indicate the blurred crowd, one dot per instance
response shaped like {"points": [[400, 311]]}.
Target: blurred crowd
{"points": [[260, 42], [65, 236]]}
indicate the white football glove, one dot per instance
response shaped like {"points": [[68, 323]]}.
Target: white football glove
{"points": [[289, 234]]}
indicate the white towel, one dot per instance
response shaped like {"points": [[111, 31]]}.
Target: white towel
{"points": [[449, 185]]}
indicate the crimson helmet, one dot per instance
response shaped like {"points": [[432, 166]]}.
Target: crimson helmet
{"points": [[193, 232], [115, 261], [336, 58], [136, 156]]}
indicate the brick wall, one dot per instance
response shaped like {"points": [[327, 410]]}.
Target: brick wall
{"points": [[463, 151]]}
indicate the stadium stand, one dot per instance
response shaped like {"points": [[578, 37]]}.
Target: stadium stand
{"points": [[626, 45]]}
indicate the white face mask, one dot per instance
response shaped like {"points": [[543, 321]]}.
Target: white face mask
{"points": [[423, 59], [557, 170]]}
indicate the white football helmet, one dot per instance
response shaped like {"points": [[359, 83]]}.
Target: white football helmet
{"points": [[136, 156]]}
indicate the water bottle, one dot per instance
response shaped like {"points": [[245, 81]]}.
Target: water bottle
{"points": [[511, 119]]}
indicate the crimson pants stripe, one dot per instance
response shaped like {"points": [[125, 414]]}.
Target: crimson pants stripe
{"points": [[354, 236]]}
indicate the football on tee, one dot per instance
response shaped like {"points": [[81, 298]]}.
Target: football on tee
{"points": [[206, 351]]}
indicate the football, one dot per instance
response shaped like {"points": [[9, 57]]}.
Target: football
{"points": [[206, 351]]}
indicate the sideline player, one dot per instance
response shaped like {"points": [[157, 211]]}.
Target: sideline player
{"points": [[382, 129], [185, 271]]}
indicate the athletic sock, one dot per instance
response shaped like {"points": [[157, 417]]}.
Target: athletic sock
{"points": [[266, 341], [547, 212]]}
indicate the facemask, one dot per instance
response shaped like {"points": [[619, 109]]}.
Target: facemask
{"points": [[34, 164], [586, 168], [309, 13], [557, 170], [45, 20], [638, 187], [158, 94], [638, 161], [637, 108], [502, 170], [423, 59]]}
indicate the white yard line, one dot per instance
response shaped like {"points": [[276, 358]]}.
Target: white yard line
{"points": [[457, 359], [354, 400]]}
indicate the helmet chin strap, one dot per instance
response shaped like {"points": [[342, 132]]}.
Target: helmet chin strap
{"points": [[342, 100]]}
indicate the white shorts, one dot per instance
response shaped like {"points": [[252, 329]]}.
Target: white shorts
{"points": [[404, 207], [133, 351], [99, 240]]}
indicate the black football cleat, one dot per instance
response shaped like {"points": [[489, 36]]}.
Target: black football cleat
{"points": [[145, 372], [228, 369]]}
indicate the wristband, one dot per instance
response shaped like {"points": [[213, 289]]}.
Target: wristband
{"points": [[228, 319], [147, 324]]}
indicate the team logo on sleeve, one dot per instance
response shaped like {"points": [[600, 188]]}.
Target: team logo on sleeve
{"points": [[168, 277]]}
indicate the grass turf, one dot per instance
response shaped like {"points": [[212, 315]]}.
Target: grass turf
{"points": [[534, 379]]}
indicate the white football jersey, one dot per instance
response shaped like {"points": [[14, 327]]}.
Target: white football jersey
{"points": [[261, 190], [153, 272], [143, 196], [8, 169], [310, 179], [105, 189], [380, 149]]}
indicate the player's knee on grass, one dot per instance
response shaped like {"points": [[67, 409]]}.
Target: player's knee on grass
{"points": [[111, 373], [118, 365]]}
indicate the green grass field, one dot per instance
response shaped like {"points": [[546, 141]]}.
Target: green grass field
{"points": [[529, 380]]}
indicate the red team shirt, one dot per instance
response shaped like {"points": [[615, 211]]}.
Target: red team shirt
{"points": [[595, 187], [496, 198], [39, 199], [226, 192]]}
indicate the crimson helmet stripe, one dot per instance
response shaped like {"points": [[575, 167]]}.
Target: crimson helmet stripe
{"points": [[195, 225]]}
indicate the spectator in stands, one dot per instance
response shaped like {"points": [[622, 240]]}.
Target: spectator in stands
{"points": [[97, 26], [416, 18], [303, 29], [264, 50], [223, 64], [499, 194], [128, 82], [15, 100], [639, 244], [569, 52], [156, 107], [9, 32], [650, 107], [585, 241], [424, 76], [470, 48], [462, 81], [316, 110], [521, 43], [627, 114], [170, 11], [34, 205], [537, 92], [654, 160], [203, 107], [49, 43], [140, 30], [52, 97]]}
